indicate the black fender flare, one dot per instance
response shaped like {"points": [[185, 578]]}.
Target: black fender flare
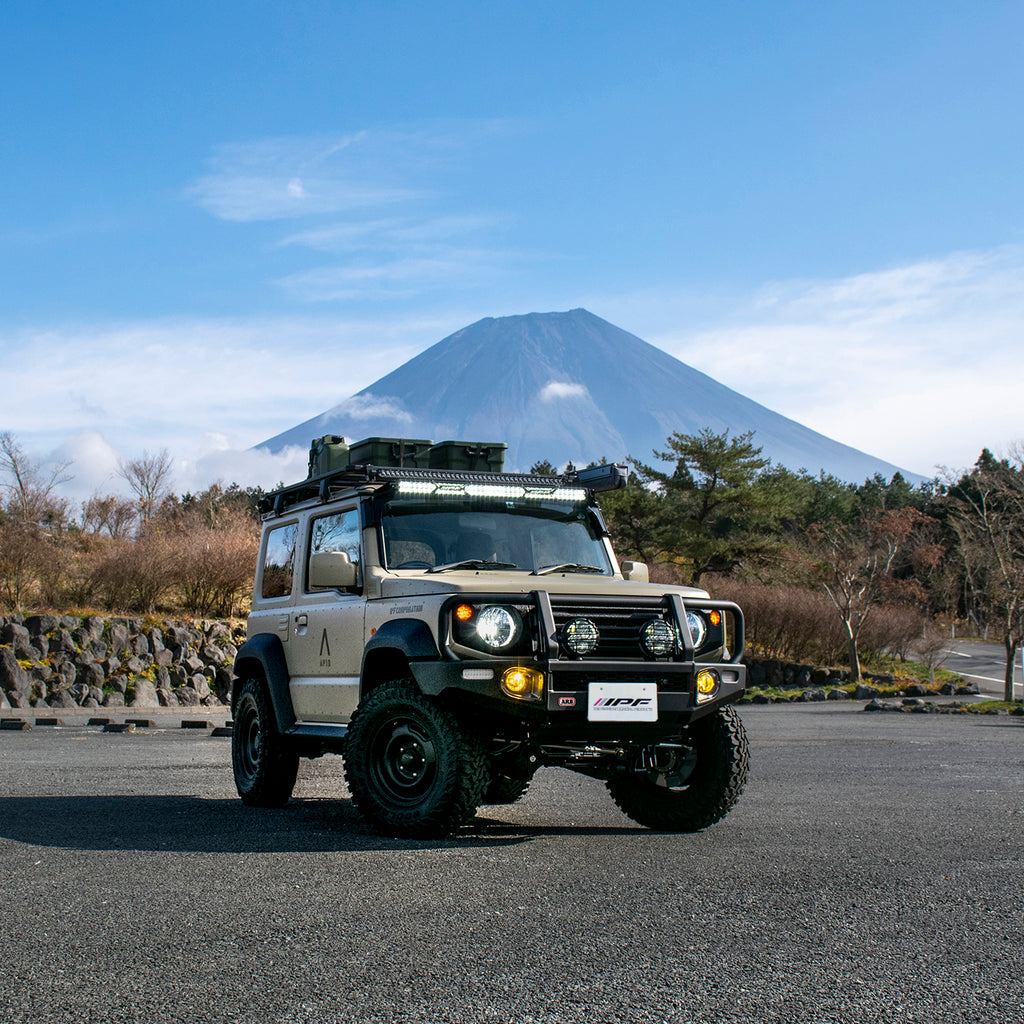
{"points": [[263, 655], [409, 638]]}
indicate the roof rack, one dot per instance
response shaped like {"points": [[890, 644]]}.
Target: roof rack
{"points": [[325, 487]]}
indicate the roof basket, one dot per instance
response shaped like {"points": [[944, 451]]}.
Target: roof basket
{"points": [[381, 459]]}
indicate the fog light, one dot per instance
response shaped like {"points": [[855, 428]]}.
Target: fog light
{"points": [[580, 636], [524, 683], [659, 638], [707, 685]]}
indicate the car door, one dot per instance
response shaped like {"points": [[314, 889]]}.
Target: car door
{"points": [[326, 643]]}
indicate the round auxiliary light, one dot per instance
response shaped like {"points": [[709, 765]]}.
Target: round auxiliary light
{"points": [[697, 628], [658, 638], [496, 626], [580, 636]]}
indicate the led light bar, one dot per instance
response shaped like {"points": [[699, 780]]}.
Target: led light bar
{"points": [[442, 490]]}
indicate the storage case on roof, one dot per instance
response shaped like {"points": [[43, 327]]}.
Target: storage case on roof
{"points": [[388, 451], [477, 456], [330, 453]]}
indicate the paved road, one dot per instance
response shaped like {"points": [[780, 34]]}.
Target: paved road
{"points": [[985, 663], [871, 872]]}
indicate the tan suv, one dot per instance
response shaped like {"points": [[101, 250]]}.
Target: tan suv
{"points": [[450, 628]]}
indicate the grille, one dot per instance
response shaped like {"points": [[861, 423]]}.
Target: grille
{"points": [[618, 622]]}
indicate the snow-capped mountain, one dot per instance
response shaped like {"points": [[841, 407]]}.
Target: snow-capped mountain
{"points": [[568, 386]]}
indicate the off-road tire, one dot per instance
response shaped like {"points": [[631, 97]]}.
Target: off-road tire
{"points": [[412, 771], [714, 785], [264, 768]]}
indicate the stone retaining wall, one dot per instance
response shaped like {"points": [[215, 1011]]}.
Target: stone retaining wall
{"points": [[62, 661]]}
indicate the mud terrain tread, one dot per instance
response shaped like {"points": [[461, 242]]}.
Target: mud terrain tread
{"points": [[458, 777], [264, 769], [723, 762]]}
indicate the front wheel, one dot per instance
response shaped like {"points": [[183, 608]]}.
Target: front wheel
{"points": [[411, 769], [265, 769], [688, 790]]}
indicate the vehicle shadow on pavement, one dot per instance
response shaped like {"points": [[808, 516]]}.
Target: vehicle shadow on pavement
{"points": [[189, 824]]}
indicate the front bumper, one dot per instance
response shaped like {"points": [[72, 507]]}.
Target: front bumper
{"points": [[564, 700]]}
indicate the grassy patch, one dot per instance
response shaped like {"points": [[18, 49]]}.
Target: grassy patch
{"points": [[994, 705], [912, 670]]}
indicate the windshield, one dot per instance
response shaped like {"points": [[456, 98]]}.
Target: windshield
{"points": [[530, 536]]}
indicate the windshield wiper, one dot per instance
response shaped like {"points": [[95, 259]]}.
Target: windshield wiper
{"points": [[565, 567], [473, 563]]}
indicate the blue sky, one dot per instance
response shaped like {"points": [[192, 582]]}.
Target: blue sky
{"points": [[222, 218]]}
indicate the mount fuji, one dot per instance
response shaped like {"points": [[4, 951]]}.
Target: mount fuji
{"points": [[568, 386]]}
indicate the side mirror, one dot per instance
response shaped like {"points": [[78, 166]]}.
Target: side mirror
{"points": [[636, 571], [332, 569], [607, 477]]}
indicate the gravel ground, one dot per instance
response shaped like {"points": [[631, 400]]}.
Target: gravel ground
{"points": [[872, 871]]}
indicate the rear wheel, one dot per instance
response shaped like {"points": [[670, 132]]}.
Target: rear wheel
{"points": [[688, 788], [265, 769], [411, 769]]}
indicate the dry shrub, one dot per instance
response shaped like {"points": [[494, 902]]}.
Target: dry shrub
{"points": [[891, 629], [787, 622], [216, 566], [132, 576], [792, 623], [24, 551]]}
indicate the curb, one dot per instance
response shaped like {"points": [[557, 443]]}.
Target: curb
{"points": [[110, 725]]}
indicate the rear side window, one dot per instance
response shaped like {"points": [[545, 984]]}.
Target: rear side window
{"points": [[279, 561]]}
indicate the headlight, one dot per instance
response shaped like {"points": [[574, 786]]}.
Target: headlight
{"points": [[498, 627], [659, 638], [580, 636], [698, 628]]}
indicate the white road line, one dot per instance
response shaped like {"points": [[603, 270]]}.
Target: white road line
{"points": [[989, 679]]}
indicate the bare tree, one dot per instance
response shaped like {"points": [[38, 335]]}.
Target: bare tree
{"points": [[854, 563], [987, 507], [31, 516], [149, 477], [29, 493], [109, 514]]}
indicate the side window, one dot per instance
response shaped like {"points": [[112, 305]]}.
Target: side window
{"points": [[337, 532], [279, 561]]}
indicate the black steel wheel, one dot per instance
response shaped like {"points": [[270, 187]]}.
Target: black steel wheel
{"points": [[264, 767], [411, 769], [694, 786]]}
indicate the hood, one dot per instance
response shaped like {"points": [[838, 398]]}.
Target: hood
{"points": [[489, 582]]}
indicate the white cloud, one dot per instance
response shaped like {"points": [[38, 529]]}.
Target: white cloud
{"points": [[249, 468], [94, 462], [195, 387], [560, 389], [275, 179], [370, 199], [369, 406], [921, 364], [391, 278], [392, 234]]}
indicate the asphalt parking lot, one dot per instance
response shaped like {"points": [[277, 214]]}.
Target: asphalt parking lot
{"points": [[872, 871]]}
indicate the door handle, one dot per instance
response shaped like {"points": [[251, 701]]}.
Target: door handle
{"points": [[301, 622]]}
